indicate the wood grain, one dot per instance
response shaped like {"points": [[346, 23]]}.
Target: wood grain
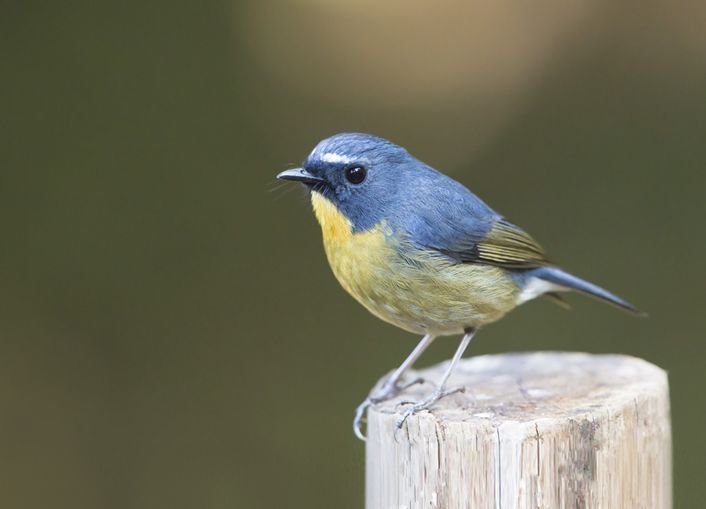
{"points": [[536, 430]]}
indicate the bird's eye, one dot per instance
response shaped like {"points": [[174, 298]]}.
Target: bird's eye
{"points": [[356, 174]]}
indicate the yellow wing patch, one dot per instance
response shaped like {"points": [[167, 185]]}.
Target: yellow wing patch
{"points": [[509, 246]]}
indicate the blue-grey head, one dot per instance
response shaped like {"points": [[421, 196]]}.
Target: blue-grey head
{"points": [[365, 176]]}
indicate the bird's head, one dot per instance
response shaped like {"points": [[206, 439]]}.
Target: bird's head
{"points": [[360, 174]]}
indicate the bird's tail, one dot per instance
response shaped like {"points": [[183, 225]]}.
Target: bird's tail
{"points": [[567, 281]]}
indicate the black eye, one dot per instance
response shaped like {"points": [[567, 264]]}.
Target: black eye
{"points": [[356, 174]]}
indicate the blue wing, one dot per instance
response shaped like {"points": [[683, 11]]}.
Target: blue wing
{"points": [[444, 216], [448, 218]]}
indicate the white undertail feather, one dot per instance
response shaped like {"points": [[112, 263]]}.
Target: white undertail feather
{"points": [[536, 287]]}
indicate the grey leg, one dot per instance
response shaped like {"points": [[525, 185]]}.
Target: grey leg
{"points": [[391, 387], [441, 391]]}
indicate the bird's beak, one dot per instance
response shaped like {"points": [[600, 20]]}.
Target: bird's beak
{"points": [[299, 175]]}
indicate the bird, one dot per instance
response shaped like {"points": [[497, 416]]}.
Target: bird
{"points": [[420, 251]]}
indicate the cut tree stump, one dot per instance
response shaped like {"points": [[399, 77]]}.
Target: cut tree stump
{"points": [[536, 430]]}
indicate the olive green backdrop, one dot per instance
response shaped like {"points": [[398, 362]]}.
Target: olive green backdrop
{"points": [[170, 333]]}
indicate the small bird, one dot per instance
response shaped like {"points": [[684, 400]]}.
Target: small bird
{"points": [[419, 250]]}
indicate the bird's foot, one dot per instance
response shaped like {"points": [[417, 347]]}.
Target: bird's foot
{"points": [[426, 404], [388, 391]]}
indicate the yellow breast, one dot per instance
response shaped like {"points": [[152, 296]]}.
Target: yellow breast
{"points": [[418, 292], [355, 258]]}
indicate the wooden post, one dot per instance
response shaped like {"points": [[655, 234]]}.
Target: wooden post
{"points": [[537, 430]]}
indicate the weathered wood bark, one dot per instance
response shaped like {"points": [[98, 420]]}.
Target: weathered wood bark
{"points": [[537, 430]]}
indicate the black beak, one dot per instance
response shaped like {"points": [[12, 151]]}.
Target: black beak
{"points": [[300, 175]]}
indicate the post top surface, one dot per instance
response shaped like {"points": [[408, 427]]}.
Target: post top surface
{"points": [[527, 387]]}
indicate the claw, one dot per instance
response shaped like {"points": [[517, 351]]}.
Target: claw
{"points": [[358, 419], [418, 380], [426, 404], [388, 391]]}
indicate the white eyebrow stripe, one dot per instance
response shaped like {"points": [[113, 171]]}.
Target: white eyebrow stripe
{"points": [[332, 157]]}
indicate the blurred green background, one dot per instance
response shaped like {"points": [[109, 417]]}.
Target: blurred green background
{"points": [[170, 333]]}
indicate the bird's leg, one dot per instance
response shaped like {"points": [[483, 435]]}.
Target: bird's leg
{"points": [[441, 391], [391, 387]]}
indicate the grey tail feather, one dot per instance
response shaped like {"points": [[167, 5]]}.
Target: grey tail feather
{"points": [[568, 281]]}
